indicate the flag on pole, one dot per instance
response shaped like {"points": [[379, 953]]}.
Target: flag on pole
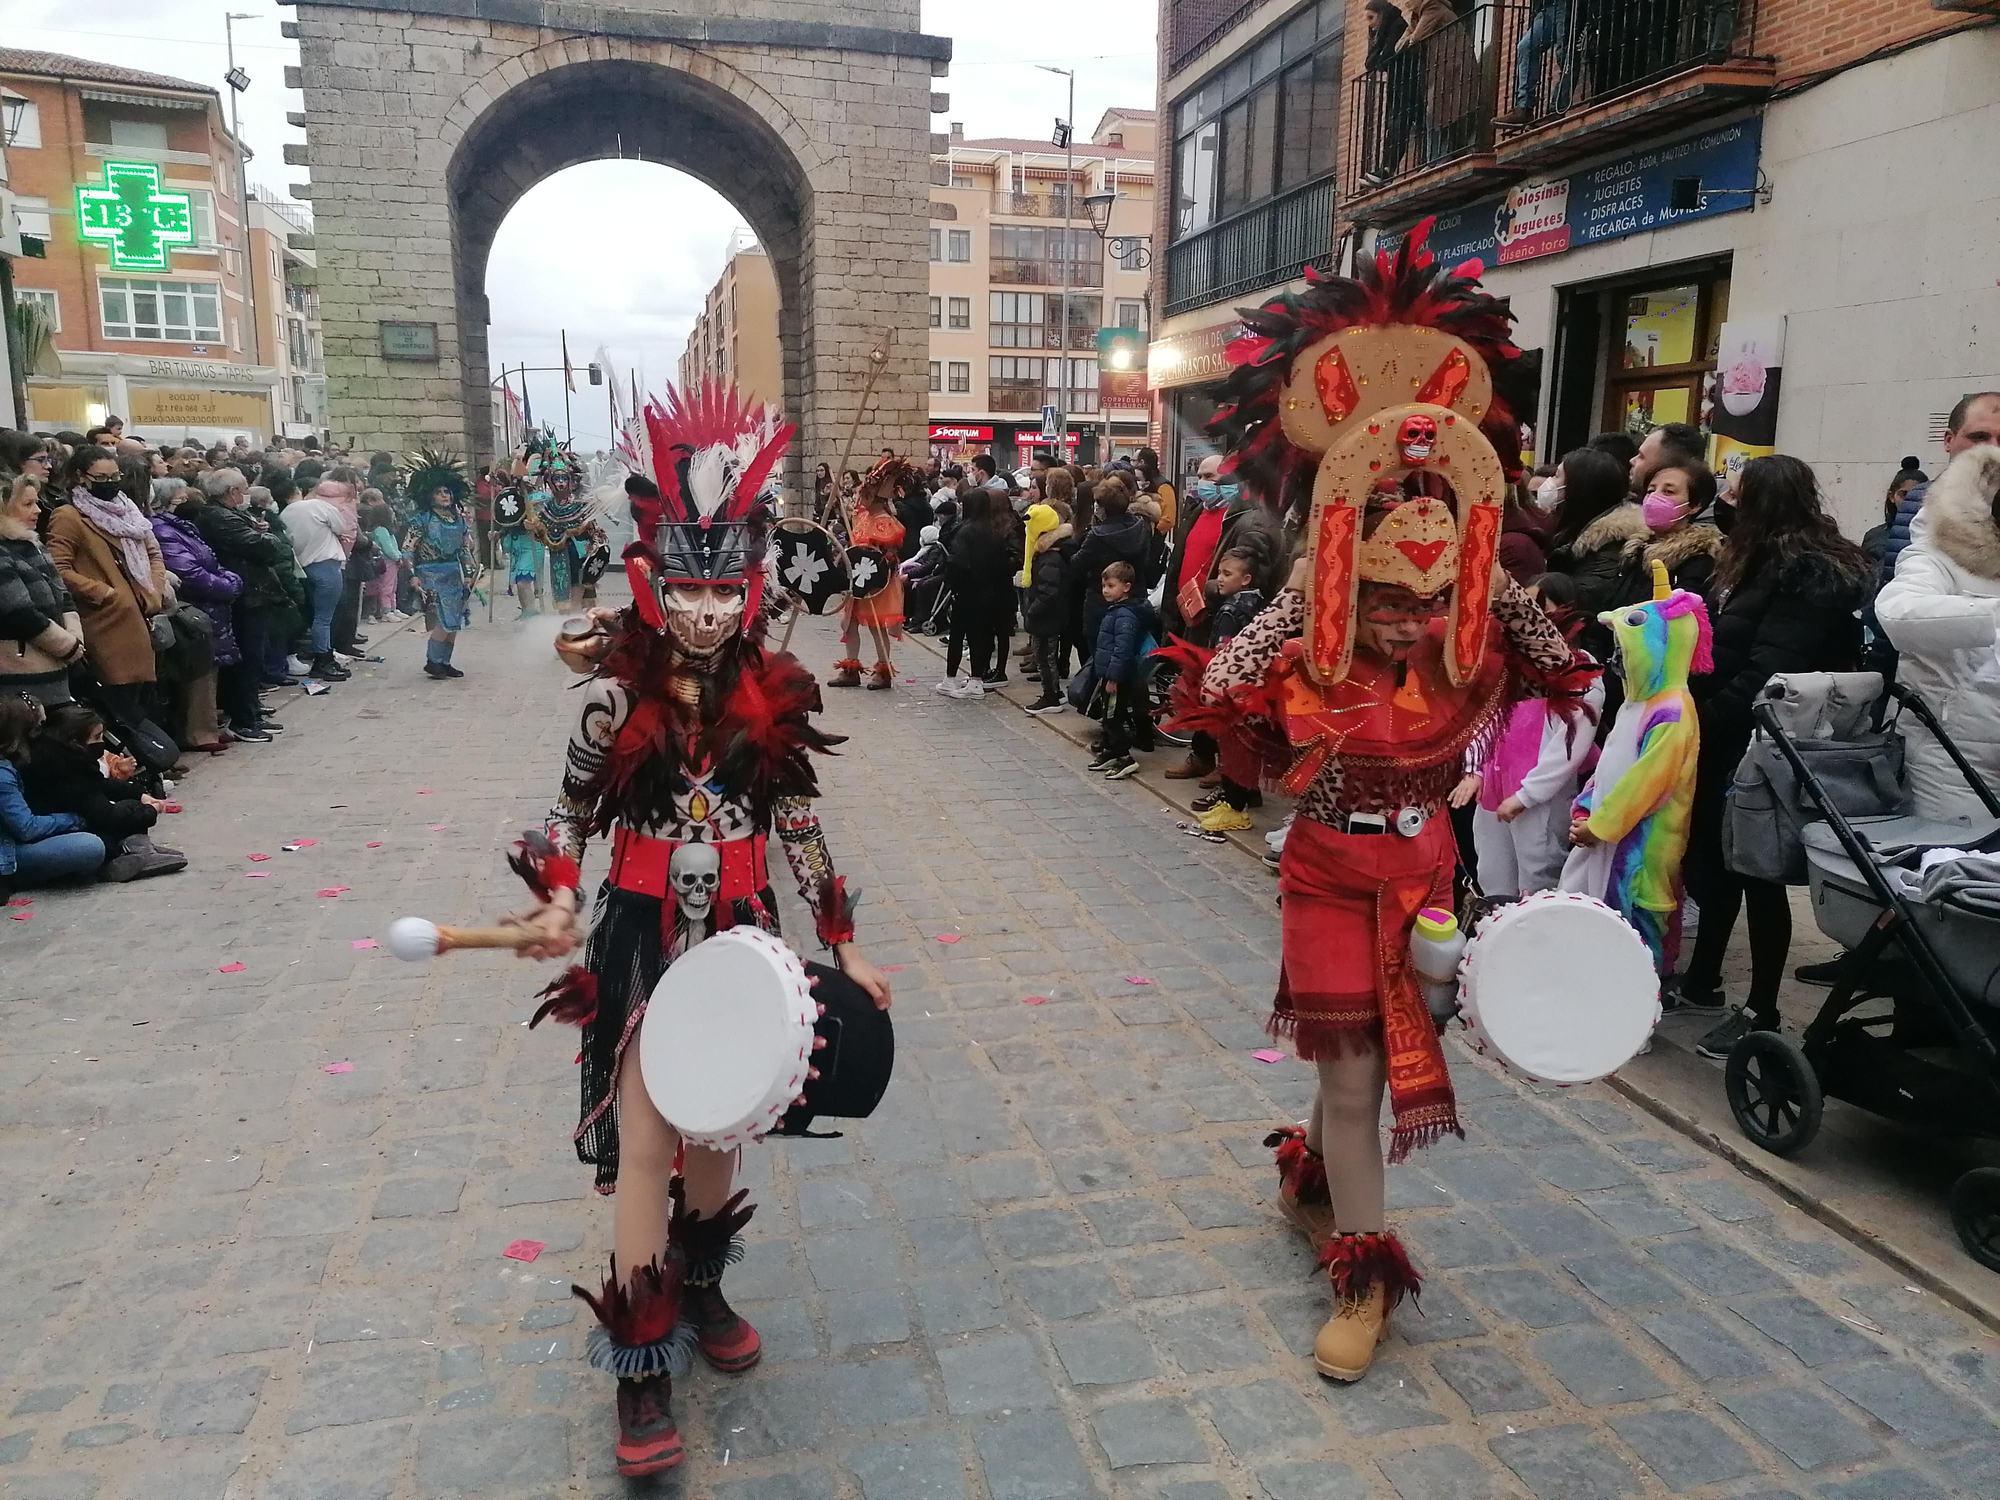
{"points": [[569, 375], [527, 406]]}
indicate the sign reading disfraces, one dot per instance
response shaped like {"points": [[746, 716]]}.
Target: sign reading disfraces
{"points": [[133, 217], [409, 340], [1630, 195]]}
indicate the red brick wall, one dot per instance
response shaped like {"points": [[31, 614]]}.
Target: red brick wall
{"points": [[1189, 23], [1812, 36]]}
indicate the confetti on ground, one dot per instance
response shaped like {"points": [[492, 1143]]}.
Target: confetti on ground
{"points": [[256, 874], [232, 969], [22, 901], [947, 937], [374, 846], [1137, 979], [1034, 999], [297, 844], [362, 943], [439, 827], [1269, 1055], [20, 916], [257, 858], [423, 791], [910, 681], [524, 1250], [339, 1067], [894, 968], [333, 890]]}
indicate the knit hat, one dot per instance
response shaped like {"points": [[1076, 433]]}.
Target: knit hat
{"points": [[1042, 519]]}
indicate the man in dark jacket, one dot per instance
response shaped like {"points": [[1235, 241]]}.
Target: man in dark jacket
{"points": [[1975, 420], [250, 553], [1118, 536]]}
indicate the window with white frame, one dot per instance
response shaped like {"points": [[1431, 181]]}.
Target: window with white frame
{"points": [[937, 246], [32, 214], [201, 212], [961, 312], [174, 312], [937, 312], [27, 134], [961, 377], [46, 300], [937, 375], [961, 244]]}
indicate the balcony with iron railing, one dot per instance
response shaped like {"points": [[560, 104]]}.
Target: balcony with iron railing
{"points": [[1038, 206], [1262, 246], [1518, 88], [1008, 271]]}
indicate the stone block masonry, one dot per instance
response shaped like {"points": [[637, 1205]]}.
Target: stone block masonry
{"points": [[427, 122]]}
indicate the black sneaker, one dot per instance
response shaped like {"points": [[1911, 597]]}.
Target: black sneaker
{"points": [[436, 672], [1717, 1044], [1121, 768], [1676, 996], [450, 670], [1824, 975], [995, 679], [252, 736], [1103, 760]]}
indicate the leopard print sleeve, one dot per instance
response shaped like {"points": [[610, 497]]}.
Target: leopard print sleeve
{"points": [[1250, 653], [1529, 631], [605, 706]]}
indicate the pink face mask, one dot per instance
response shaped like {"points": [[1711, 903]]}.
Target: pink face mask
{"points": [[1660, 511]]}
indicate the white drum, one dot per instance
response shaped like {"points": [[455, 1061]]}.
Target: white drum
{"points": [[727, 1039], [1558, 988]]}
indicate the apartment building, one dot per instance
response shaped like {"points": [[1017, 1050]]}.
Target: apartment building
{"points": [[123, 189], [281, 248], [735, 336]]}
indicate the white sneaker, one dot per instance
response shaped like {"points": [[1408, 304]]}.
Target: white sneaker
{"points": [[296, 668], [344, 659], [948, 688], [971, 688]]}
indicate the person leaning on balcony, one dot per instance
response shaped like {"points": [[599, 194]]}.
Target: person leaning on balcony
{"points": [[1543, 44]]}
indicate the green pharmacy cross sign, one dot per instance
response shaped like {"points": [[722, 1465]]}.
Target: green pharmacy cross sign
{"points": [[133, 217]]}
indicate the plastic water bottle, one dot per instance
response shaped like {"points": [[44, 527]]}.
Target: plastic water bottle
{"points": [[1436, 945]]}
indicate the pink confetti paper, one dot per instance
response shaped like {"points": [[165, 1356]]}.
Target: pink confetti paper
{"points": [[339, 1067], [333, 890], [20, 916], [256, 874], [524, 1250], [1034, 999], [948, 937], [423, 791], [439, 827], [893, 968], [1269, 1055], [374, 846], [1137, 979], [257, 858], [231, 969], [22, 901], [362, 943]]}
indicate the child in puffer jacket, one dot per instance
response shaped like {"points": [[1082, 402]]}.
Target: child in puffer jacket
{"points": [[1121, 667], [1045, 577]]}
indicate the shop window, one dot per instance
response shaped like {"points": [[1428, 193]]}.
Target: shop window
{"points": [[175, 312], [1662, 349], [961, 377], [961, 312], [46, 300]]}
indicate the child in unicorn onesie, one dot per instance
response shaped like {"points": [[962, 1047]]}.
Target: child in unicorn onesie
{"points": [[1630, 824]]}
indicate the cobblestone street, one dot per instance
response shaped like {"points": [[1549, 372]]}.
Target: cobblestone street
{"points": [[1050, 1266]]}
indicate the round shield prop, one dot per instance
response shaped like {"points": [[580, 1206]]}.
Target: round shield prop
{"points": [[868, 571], [595, 562], [812, 566], [510, 508]]}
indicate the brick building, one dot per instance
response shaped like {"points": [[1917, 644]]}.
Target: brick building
{"points": [[735, 336], [1768, 217], [156, 329]]}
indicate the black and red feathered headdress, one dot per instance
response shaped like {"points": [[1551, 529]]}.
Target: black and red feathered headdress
{"points": [[714, 461], [1403, 286]]}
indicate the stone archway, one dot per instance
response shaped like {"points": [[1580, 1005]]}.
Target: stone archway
{"points": [[425, 127]]}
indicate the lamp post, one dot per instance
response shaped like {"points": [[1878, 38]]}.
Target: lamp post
{"points": [[1130, 250], [238, 81], [1066, 135]]}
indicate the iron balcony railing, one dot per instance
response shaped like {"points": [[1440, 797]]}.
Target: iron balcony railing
{"points": [[1260, 247], [1003, 271], [1511, 65]]}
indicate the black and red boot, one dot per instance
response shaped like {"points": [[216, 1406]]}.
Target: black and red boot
{"points": [[710, 1246], [642, 1339]]}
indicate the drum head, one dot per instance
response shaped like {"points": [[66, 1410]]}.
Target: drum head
{"points": [[727, 1032], [812, 567], [868, 571], [1561, 987]]}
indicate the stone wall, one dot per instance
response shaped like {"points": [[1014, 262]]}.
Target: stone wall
{"points": [[423, 128]]}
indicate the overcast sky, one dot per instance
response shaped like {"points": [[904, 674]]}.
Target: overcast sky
{"points": [[620, 253]]}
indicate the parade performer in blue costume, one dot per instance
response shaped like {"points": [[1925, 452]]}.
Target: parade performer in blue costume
{"points": [[439, 545]]}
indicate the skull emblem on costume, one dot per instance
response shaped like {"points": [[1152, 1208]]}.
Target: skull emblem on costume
{"points": [[695, 873], [703, 617], [1416, 439]]}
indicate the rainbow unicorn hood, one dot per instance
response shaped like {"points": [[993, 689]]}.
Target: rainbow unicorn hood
{"points": [[1663, 641]]}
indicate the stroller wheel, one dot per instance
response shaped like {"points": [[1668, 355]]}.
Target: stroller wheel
{"points": [[1975, 1214], [1773, 1092], [1159, 694]]}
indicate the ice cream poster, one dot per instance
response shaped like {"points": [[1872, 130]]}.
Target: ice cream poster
{"points": [[1743, 394]]}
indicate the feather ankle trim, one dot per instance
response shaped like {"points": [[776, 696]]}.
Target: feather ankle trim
{"points": [[1301, 1170], [709, 1246], [1356, 1262], [640, 1331]]}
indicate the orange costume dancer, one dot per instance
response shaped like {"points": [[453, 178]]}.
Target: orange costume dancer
{"points": [[1369, 410], [874, 527]]}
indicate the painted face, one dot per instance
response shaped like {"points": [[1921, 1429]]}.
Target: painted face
{"points": [[1416, 439], [702, 618], [1393, 619]]}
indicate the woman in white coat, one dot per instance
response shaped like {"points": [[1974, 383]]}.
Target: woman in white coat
{"points": [[1942, 613]]}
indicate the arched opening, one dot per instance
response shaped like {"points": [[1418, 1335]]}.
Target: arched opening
{"points": [[620, 109]]}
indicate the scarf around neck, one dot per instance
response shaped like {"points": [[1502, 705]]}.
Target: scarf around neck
{"points": [[123, 523]]}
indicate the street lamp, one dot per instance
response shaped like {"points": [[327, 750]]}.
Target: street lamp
{"points": [[238, 81], [13, 108], [1131, 251], [1066, 138]]}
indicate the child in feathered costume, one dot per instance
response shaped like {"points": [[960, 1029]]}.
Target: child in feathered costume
{"points": [[1375, 410], [1630, 826], [690, 733]]}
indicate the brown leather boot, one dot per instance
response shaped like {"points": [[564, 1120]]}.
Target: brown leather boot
{"points": [[845, 674], [1302, 1192], [1370, 1274], [1189, 769], [881, 675]]}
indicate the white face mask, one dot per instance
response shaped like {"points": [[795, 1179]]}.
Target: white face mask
{"points": [[1549, 496]]}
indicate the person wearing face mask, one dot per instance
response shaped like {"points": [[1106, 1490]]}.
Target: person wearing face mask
{"points": [[1186, 602], [1676, 494], [104, 548]]}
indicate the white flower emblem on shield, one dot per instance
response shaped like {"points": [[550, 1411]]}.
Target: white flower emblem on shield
{"points": [[805, 569], [863, 571]]}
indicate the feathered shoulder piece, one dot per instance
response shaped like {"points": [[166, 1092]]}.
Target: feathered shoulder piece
{"points": [[1294, 382], [428, 470]]}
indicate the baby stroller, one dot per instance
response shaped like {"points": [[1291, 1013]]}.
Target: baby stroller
{"points": [[1926, 941]]}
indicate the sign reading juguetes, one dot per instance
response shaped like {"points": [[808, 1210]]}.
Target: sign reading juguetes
{"points": [[133, 217]]}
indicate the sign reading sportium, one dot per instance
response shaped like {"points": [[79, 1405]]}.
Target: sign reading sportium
{"points": [[133, 217]]}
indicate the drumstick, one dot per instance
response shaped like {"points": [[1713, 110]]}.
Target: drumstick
{"points": [[413, 940]]}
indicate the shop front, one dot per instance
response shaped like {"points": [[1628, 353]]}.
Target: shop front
{"points": [[1186, 370], [199, 402]]}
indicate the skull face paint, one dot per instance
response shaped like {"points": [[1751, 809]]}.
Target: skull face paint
{"points": [[1393, 619], [1416, 439], [702, 618], [695, 873]]}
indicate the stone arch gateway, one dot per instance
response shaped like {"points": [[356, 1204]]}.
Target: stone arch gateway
{"points": [[426, 121]]}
